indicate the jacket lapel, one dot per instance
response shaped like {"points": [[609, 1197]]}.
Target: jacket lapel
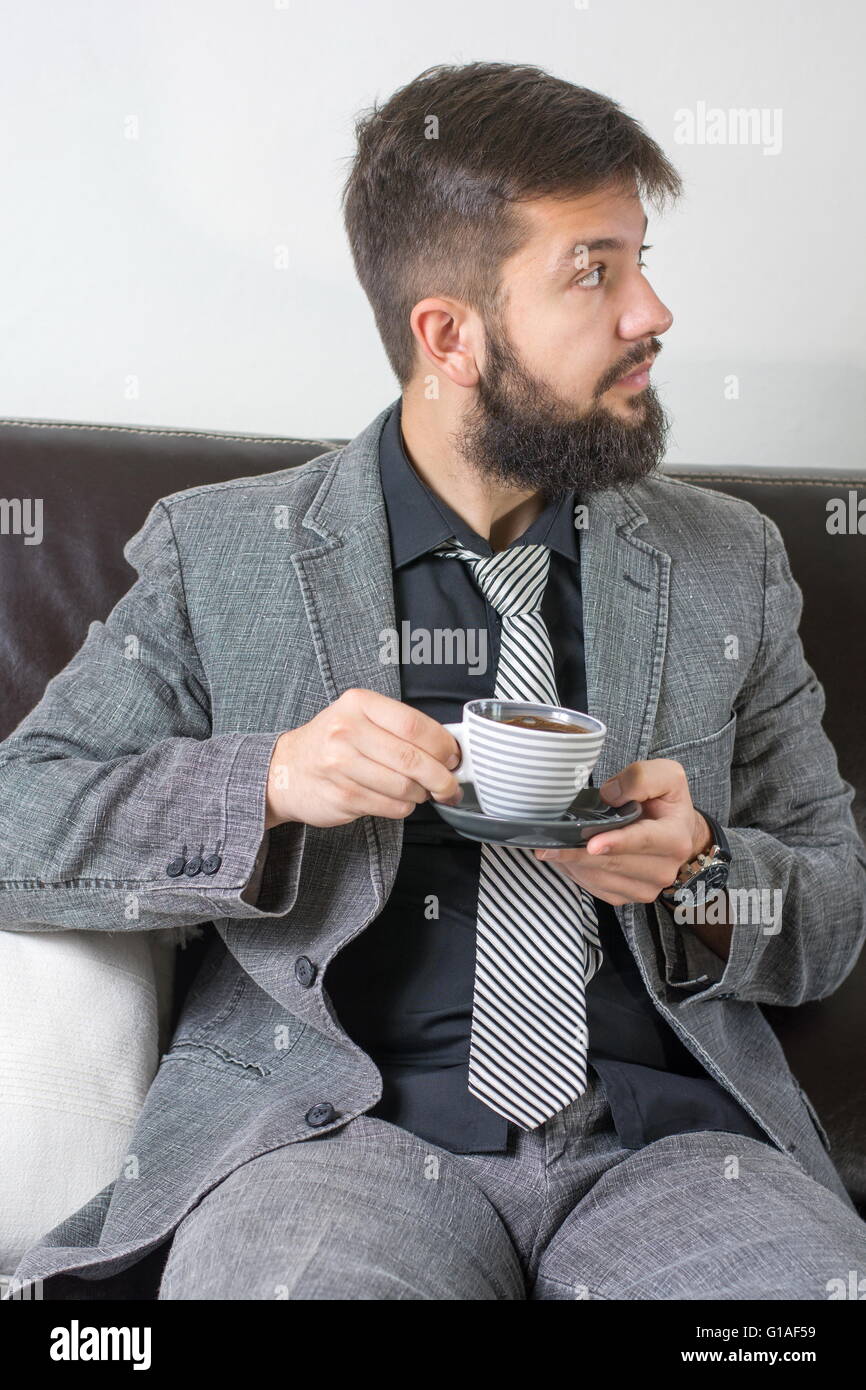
{"points": [[346, 580], [625, 585]]}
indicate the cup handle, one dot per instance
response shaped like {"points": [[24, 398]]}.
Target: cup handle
{"points": [[463, 772]]}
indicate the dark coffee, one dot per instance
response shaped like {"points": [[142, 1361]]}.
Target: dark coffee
{"points": [[553, 726]]}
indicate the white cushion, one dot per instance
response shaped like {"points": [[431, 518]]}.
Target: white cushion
{"points": [[83, 1020]]}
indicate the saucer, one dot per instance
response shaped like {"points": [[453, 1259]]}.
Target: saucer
{"points": [[587, 815]]}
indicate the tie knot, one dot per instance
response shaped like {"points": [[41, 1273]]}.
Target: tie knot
{"points": [[512, 581]]}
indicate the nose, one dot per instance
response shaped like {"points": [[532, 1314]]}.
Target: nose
{"points": [[646, 315]]}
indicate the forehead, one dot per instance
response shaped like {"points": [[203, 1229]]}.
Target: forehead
{"points": [[556, 226]]}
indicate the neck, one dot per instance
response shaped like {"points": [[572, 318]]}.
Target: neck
{"points": [[497, 514]]}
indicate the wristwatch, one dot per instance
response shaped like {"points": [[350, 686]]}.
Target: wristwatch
{"points": [[710, 869]]}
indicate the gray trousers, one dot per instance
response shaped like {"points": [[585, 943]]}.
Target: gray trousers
{"points": [[370, 1211]]}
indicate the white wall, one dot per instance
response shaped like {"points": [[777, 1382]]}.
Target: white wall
{"points": [[152, 258]]}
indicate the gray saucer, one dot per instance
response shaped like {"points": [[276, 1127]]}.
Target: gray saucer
{"points": [[587, 815]]}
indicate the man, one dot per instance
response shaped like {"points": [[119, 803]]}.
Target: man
{"points": [[369, 1094]]}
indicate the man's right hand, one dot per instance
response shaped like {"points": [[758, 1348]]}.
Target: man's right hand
{"points": [[365, 755]]}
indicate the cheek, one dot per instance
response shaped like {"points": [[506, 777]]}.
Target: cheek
{"points": [[565, 342], [572, 350], [563, 356]]}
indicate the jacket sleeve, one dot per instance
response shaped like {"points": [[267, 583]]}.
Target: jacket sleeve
{"points": [[793, 836], [116, 770]]}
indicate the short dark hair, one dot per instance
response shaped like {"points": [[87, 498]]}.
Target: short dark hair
{"points": [[428, 216]]}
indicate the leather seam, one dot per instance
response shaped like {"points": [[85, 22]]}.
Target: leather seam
{"points": [[164, 433]]}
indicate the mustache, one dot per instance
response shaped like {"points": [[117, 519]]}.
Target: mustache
{"points": [[630, 364]]}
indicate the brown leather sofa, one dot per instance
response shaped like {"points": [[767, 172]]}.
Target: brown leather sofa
{"points": [[97, 483]]}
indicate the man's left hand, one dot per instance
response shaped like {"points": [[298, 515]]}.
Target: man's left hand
{"points": [[634, 864]]}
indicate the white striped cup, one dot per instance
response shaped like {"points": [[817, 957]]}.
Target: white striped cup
{"points": [[525, 772]]}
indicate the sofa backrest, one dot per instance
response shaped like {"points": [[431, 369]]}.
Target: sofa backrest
{"points": [[98, 482]]}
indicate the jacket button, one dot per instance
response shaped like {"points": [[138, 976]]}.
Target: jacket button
{"points": [[193, 866], [175, 867], [321, 1114], [305, 971], [211, 864]]}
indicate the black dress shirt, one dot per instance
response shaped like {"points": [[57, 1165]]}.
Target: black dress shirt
{"points": [[402, 989]]}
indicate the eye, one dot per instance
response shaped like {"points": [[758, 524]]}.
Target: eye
{"points": [[584, 279], [591, 280]]}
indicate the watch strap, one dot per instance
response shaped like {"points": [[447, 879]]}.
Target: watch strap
{"points": [[718, 834], [720, 844]]}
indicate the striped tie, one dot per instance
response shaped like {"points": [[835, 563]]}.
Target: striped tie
{"points": [[537, 944]]}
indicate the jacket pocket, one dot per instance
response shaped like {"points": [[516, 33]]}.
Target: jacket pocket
{"points": [[724, 736], [707, 763]]}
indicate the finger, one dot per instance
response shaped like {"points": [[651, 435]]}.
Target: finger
{"points": [[619, 888], [569, 859], [645, 780], [635, 867], [406, 759], [649, 837], [361, 771], [644, 837], [620, 843], [577, 855], [361, 801], [410, 725]]}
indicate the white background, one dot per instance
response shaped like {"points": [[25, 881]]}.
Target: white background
{"points": [[153, 258]]}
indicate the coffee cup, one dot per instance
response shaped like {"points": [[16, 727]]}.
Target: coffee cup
{"points": [[526, 759]]}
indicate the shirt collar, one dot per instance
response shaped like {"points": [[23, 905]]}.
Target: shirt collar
{"points": [[418, 520]]}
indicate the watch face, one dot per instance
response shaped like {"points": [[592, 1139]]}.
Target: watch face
{"points": [[716, 876]]}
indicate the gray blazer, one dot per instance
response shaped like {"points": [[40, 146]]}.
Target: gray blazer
{"points": [[259, 601]]}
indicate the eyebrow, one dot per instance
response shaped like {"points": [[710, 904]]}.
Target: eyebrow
{"points": [[605, 243]]}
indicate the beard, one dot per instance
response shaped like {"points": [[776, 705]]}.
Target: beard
{"points": [[519, 434]]}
